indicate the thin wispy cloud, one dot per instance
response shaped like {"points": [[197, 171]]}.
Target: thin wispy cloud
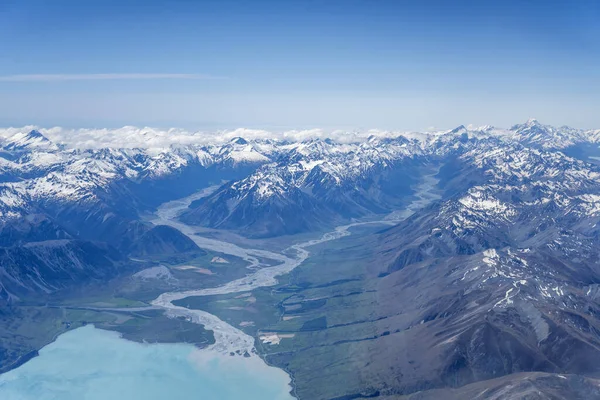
{"points": [[98, 77]]}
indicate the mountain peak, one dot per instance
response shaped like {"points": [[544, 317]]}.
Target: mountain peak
{"points": [[28, 140], [239, 140], [459, 129], [528, 125], [35, 134]]}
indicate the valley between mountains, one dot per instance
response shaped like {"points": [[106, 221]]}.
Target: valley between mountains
{"points": [[454, 264]]}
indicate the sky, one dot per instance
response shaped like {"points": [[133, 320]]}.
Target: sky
{"points": [[224, 64]]}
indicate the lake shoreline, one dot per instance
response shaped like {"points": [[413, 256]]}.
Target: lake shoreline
{"points": [[79, 362]]}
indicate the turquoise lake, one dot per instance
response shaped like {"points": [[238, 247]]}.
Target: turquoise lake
{"points": [[93, 364]]}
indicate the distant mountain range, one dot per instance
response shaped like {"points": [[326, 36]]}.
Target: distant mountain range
{"points": [[273, 187]]}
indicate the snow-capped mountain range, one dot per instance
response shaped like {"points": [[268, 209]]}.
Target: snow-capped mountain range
{"points": [[348, 175], [34, 169]]}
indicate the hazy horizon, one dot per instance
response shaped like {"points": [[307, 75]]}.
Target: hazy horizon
{"points": [[350, 65]]}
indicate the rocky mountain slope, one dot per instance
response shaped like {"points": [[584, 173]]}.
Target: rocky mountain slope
{"points": [[163, 240], [47, 266], [497, 279]]}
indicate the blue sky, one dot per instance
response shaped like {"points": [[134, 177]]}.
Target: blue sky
{"points": [[299, 64]]}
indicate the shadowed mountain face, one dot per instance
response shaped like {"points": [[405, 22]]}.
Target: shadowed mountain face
{"points": [[164, 240], [33, 228], [531, 386], [40, 268]]}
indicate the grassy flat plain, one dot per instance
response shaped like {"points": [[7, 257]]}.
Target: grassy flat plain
{"points": [[321, 315]]}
